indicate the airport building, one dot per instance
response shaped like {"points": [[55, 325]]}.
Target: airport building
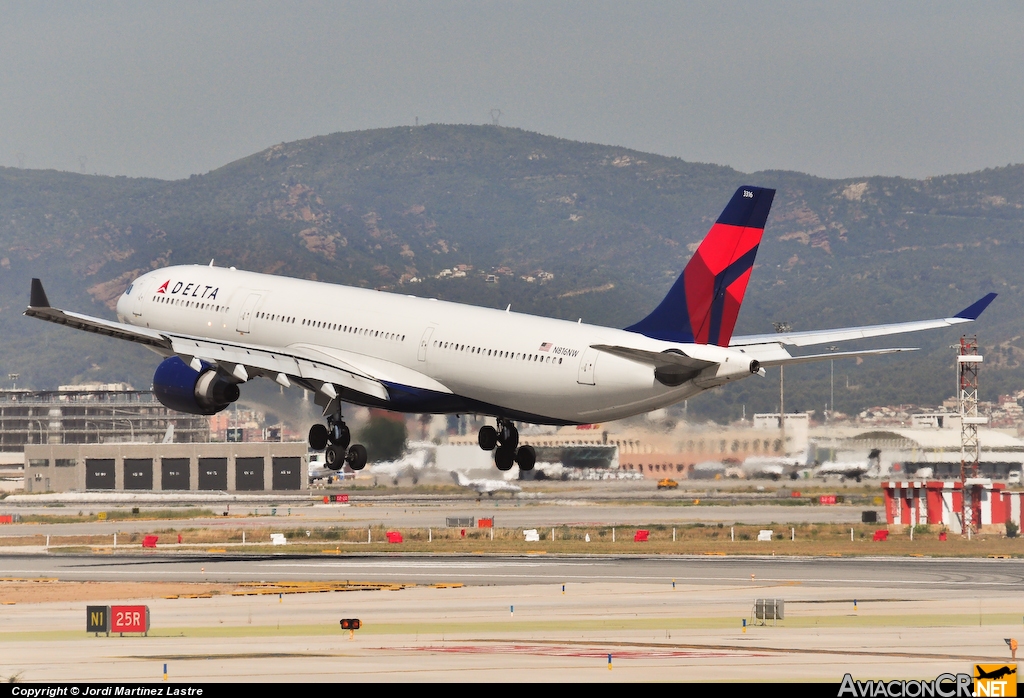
{"points": [[89, 414], [656, 453], [159, 467], [928, 447]]}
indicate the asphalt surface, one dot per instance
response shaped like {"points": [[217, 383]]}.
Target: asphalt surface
{"points": [[918, 575]]}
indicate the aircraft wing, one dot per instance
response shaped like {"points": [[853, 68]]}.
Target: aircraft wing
{"points": [[810, 338], [283, 365], [320, 368], [769, 356], [39, 307]]}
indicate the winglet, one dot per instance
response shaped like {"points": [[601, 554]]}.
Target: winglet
{"points": [[972, 312], [37, 299]]}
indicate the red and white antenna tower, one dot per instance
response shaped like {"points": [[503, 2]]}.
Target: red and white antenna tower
{"points": [[967, 361]]}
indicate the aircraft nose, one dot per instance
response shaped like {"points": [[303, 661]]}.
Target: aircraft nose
{"points": [[122, 307]]}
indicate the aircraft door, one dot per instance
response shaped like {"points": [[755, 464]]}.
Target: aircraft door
{"points": [[140, 295], [424, 343], [245, 314], [586, 374]]}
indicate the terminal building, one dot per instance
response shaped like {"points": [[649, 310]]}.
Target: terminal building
{"points": [[159, 467], [111, 437], [90, 414]]}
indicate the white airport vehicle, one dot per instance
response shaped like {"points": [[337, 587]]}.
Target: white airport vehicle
{"points": [[318, 470], [488, 487], [218, 328]]}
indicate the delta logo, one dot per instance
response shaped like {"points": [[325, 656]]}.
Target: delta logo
{"points": [[191, 290]]}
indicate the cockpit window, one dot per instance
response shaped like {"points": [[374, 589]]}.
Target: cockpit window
{"points": [[128, 291]]}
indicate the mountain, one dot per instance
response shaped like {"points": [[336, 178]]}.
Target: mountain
{"points": [[562, 228]]}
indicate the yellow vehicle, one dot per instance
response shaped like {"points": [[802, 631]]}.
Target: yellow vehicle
{"points": [[667, 484]]}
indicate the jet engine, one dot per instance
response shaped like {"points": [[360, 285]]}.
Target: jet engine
{"points": [[180, 387]]}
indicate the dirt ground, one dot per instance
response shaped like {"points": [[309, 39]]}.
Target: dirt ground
{"points": [[28, 592]]}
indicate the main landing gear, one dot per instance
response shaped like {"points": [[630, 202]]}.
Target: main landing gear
{"points": [[334, 440], [504, 441]]}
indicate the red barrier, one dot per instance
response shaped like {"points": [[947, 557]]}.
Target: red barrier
{"points": [[881, 534], [149, 541], [641, 536], [394, 537]]}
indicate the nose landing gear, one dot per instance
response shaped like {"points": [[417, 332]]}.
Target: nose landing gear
{"points": [[504, 441], [335, 439]]}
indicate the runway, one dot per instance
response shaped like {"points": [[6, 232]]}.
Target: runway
{"points": [[916, 575], [548, 617], [538, 619]]}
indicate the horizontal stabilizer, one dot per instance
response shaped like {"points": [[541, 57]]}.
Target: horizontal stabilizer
{"points": [[671, 367], [655, 358]]}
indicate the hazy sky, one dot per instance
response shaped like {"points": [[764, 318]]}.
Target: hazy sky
{"points": [[834, 89]]}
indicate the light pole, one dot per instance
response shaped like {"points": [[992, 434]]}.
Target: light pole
{"points": [[13, 377], [131, 428], [831, 384], [781, 327]]}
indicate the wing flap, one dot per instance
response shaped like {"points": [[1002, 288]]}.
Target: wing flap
{"points": [[810, 358], [370, 366]]}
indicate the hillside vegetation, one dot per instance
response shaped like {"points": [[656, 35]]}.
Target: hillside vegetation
{"points": [[600, 232]]}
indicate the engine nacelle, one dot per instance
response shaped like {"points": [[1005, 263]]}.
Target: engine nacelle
{"points": [[180, 387]]}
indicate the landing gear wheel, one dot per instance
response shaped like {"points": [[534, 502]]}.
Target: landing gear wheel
{"points": [[318, 437], [504, 458], [526, 457], [334, 458], [487, 438], [356, 457], [340, 436], [508, 435]]}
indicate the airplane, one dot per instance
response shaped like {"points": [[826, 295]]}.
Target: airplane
{"points": [[217, 328], [996, 673], [852, 469], [413, 463], [488, 487], [772, 467]]}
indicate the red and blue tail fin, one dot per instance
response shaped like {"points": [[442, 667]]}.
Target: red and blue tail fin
{"points": [[704, 302]]}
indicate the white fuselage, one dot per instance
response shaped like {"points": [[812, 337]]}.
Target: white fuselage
{"points": [[496, 362]]}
